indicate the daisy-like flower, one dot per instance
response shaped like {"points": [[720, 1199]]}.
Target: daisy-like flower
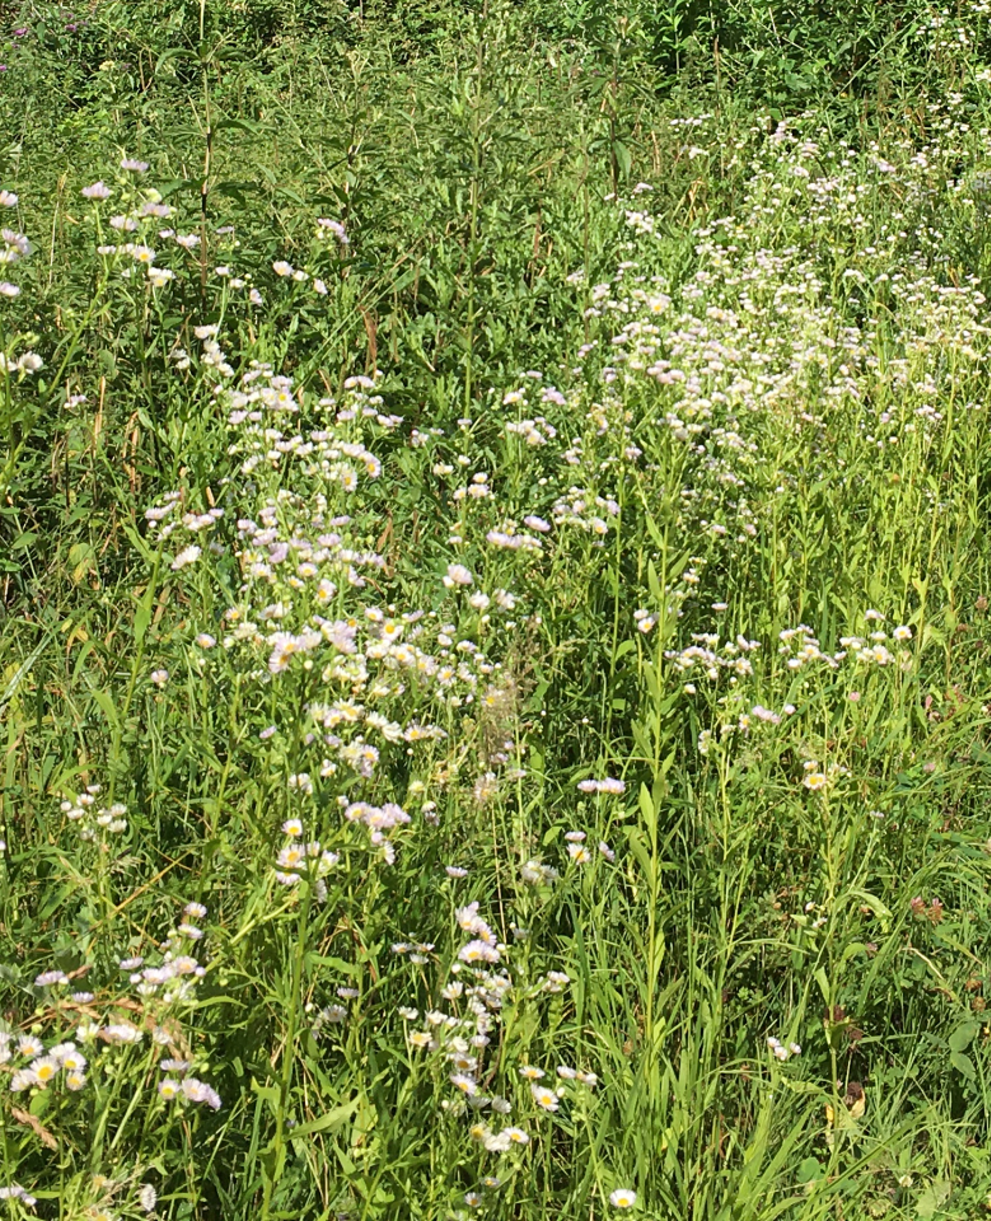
{"points": [[607, 785], [188, 555], [122, 1032], [902, 633], [478, 951], [623, 1197], [530, 1072], [169, 1089], [814, 781], [327, 227], [457, 574], [45, 1070], [16, 1192], [22, 1079], [464, 1083], [291, 857], [293, 827], [199, 1091], [47, 978], [98, 190], [545, 1097], [335, 1014]]}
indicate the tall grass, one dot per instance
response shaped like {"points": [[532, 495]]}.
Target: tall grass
{"points": [[495, 689]]}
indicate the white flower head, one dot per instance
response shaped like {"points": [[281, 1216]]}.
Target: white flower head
{"points": [[188, 555], [623, 1197], [457, 574]]}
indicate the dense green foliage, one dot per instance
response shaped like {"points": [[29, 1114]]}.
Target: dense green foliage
{"points": [[495, 584]]}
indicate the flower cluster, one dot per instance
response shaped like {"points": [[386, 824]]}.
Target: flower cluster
{"points": [[95, 823], [162, 993]]}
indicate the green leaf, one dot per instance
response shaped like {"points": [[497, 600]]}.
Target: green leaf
{"points": [[963, 1036], [328, 1122], [104, 701], [268, 1094], [623, 159], [638, 846], [964, 1065], [243, 125], [932, 1199], [142, 616], [809, 1170]]}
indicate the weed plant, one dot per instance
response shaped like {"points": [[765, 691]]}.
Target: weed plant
{"points": [[495, 662]]}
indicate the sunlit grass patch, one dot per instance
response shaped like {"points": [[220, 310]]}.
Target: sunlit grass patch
{"points": [[495, 694]]}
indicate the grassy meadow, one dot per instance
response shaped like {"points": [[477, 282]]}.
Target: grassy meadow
{"points": [[495, 680]]}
